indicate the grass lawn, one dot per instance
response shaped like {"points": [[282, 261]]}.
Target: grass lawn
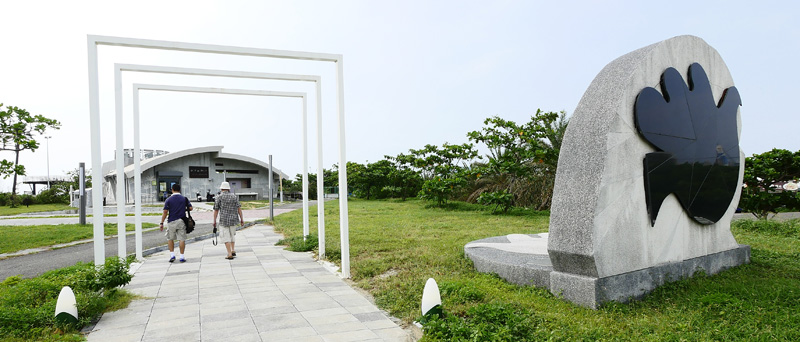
{"points": [[395, 246], [248, 205], [17, 238], [34, 208], [65, 216]]}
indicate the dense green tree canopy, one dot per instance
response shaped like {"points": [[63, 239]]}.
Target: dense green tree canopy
{"points": [[761, 172], [18, 131]]}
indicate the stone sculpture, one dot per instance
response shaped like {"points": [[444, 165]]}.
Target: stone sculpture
{"points": [[648, 180]]}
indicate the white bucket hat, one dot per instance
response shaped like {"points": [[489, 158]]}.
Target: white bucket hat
{"points": [[225, 186]]}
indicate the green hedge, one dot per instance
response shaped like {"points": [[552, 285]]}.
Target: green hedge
{"points": [[27, 306]]}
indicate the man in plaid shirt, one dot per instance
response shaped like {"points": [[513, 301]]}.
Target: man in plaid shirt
{"points": [[228, 203]]}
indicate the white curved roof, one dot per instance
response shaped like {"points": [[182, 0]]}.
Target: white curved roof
{"points": [[155, 161]]}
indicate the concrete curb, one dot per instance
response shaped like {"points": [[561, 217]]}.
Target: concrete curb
{"points": [[63, 245]]}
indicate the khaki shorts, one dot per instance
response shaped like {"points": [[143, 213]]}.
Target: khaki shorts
{"points": [[176, 230], [227, 234]]}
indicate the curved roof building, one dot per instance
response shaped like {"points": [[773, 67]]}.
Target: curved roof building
{"points": [[198, 170]]}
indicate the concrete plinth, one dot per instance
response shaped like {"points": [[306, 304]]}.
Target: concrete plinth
{"points": [[592, 292], [520, 259]]}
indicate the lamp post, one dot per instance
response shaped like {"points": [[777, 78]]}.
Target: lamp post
{"points": [[48, 161]]}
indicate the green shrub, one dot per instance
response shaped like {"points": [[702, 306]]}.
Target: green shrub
{"points": [[484, 322], [51, 196], [500, 199], [440, 189], [27, 200], [5, 199], [298, 244], [27, 306], [460, 292], [772, 227]]}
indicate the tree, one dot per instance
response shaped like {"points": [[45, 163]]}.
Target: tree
{"points": [[522, 160], [443, 170], [61, 189], [369, 180], [297, 185], [761, 172], [17, 128], [403, 180]]}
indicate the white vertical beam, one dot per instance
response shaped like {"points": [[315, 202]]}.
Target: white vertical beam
{"points": [[305, 169], [137, 176], [121, 247], [270, 182], [320, 178], [97, 164], [344, 228]]}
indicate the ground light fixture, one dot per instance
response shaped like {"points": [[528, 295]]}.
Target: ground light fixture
{"points": [[431, 298], [66, 307]]}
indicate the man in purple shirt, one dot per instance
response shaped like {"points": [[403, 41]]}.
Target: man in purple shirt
{"points": [[175, 209]]}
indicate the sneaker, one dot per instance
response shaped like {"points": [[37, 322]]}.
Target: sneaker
{"points": [[183, 259], [172, 259]]}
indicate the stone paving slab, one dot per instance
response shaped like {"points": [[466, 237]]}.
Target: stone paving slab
{"points": [[265, 294]]}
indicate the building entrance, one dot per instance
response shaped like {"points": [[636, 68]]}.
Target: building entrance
{"points": [[165, 186]]}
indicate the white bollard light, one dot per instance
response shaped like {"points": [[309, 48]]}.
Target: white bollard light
{"points": [[431, 300], [66, 307]]}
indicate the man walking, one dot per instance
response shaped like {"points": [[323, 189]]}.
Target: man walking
{"points": [[175, 208], [228, 204]]}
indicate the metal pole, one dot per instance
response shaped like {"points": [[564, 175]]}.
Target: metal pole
{"points": [[271, 212], [82, 192], [48, 162]]}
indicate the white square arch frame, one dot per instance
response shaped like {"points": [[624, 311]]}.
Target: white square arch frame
{"points": [[94, 114], [137, 172], [119, 68]]}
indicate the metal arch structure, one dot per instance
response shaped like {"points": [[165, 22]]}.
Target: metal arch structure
{"points": [[93, 41], [119, 68]]}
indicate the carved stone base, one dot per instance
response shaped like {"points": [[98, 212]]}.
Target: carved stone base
{"points": [[527, 265], [592, 292]]}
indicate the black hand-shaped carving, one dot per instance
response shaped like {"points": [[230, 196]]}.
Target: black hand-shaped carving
{"points": [[697, 143]]}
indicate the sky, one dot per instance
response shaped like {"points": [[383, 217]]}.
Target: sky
{"points": [[415, 72]]}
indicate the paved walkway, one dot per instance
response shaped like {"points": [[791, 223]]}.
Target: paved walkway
{"points": [[265, 294]]}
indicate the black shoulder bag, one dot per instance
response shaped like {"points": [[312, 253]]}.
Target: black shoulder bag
{"points": [[188, 221]]}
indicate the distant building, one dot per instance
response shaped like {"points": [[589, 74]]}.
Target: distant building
{"points": [[44, 181], [198, 170]]}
